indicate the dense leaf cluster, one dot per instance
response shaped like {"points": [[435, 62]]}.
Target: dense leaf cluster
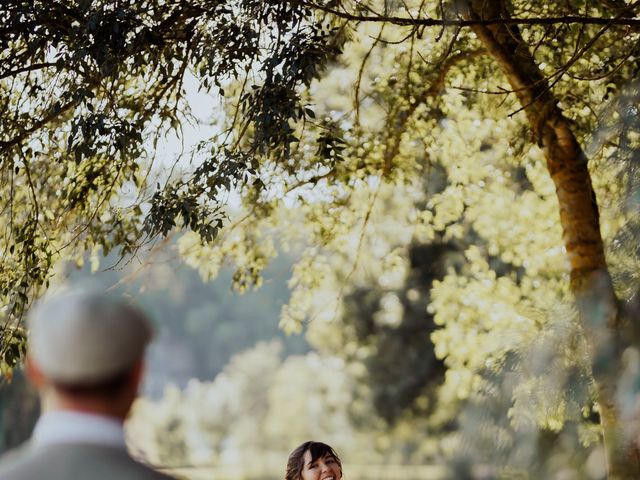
{"points": [[88, 86]]}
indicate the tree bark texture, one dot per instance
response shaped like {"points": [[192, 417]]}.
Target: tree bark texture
{"points": [[567, 164]]}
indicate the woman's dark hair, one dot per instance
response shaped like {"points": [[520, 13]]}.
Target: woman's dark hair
{"points": [[317, 450]]}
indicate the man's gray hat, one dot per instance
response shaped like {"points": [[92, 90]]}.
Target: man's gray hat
{"points": [[85, 337]]}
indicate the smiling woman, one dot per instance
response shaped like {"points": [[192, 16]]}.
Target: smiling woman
{"points": [[314, 461]]}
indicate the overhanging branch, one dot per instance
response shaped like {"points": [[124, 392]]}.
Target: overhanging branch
{"points": [[6, 145], [461, 22]]}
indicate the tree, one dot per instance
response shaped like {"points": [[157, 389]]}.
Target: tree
{"points": [[85, 83]]}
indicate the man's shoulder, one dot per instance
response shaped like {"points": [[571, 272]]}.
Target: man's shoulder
{"points": [[69, 461], [13, 459]]}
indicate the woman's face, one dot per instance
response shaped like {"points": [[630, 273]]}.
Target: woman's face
{"points": [[325, 468]]}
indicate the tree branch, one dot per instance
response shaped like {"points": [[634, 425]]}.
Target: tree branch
{"points": [[5, 146], [402, 117], [35, 66], [460, 22]]}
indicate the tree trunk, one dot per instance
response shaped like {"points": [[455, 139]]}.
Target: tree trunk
{"points": [[567, 164]]}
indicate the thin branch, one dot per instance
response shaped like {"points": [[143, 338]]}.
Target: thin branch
{"points": [[435, 22], [360, 73], [402, 117], [606, 74], [5, 146], [35, 66], [565, 68], [363, 231], [95, 212], [130, 277], [36, 206], [238, 105]]}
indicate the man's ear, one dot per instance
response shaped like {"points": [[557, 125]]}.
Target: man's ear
{"points": [[34, 373], [137, 373]]}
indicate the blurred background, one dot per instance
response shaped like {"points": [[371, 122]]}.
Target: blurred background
{"points": [[228, 394]]}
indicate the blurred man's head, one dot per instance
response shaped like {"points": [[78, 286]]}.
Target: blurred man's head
{"points": [[86, 351]]}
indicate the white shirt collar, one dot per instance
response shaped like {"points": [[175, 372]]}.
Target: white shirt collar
{"points": [[76, 427]]}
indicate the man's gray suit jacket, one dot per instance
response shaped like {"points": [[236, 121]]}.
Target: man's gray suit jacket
{"points": [[74, 462]]}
